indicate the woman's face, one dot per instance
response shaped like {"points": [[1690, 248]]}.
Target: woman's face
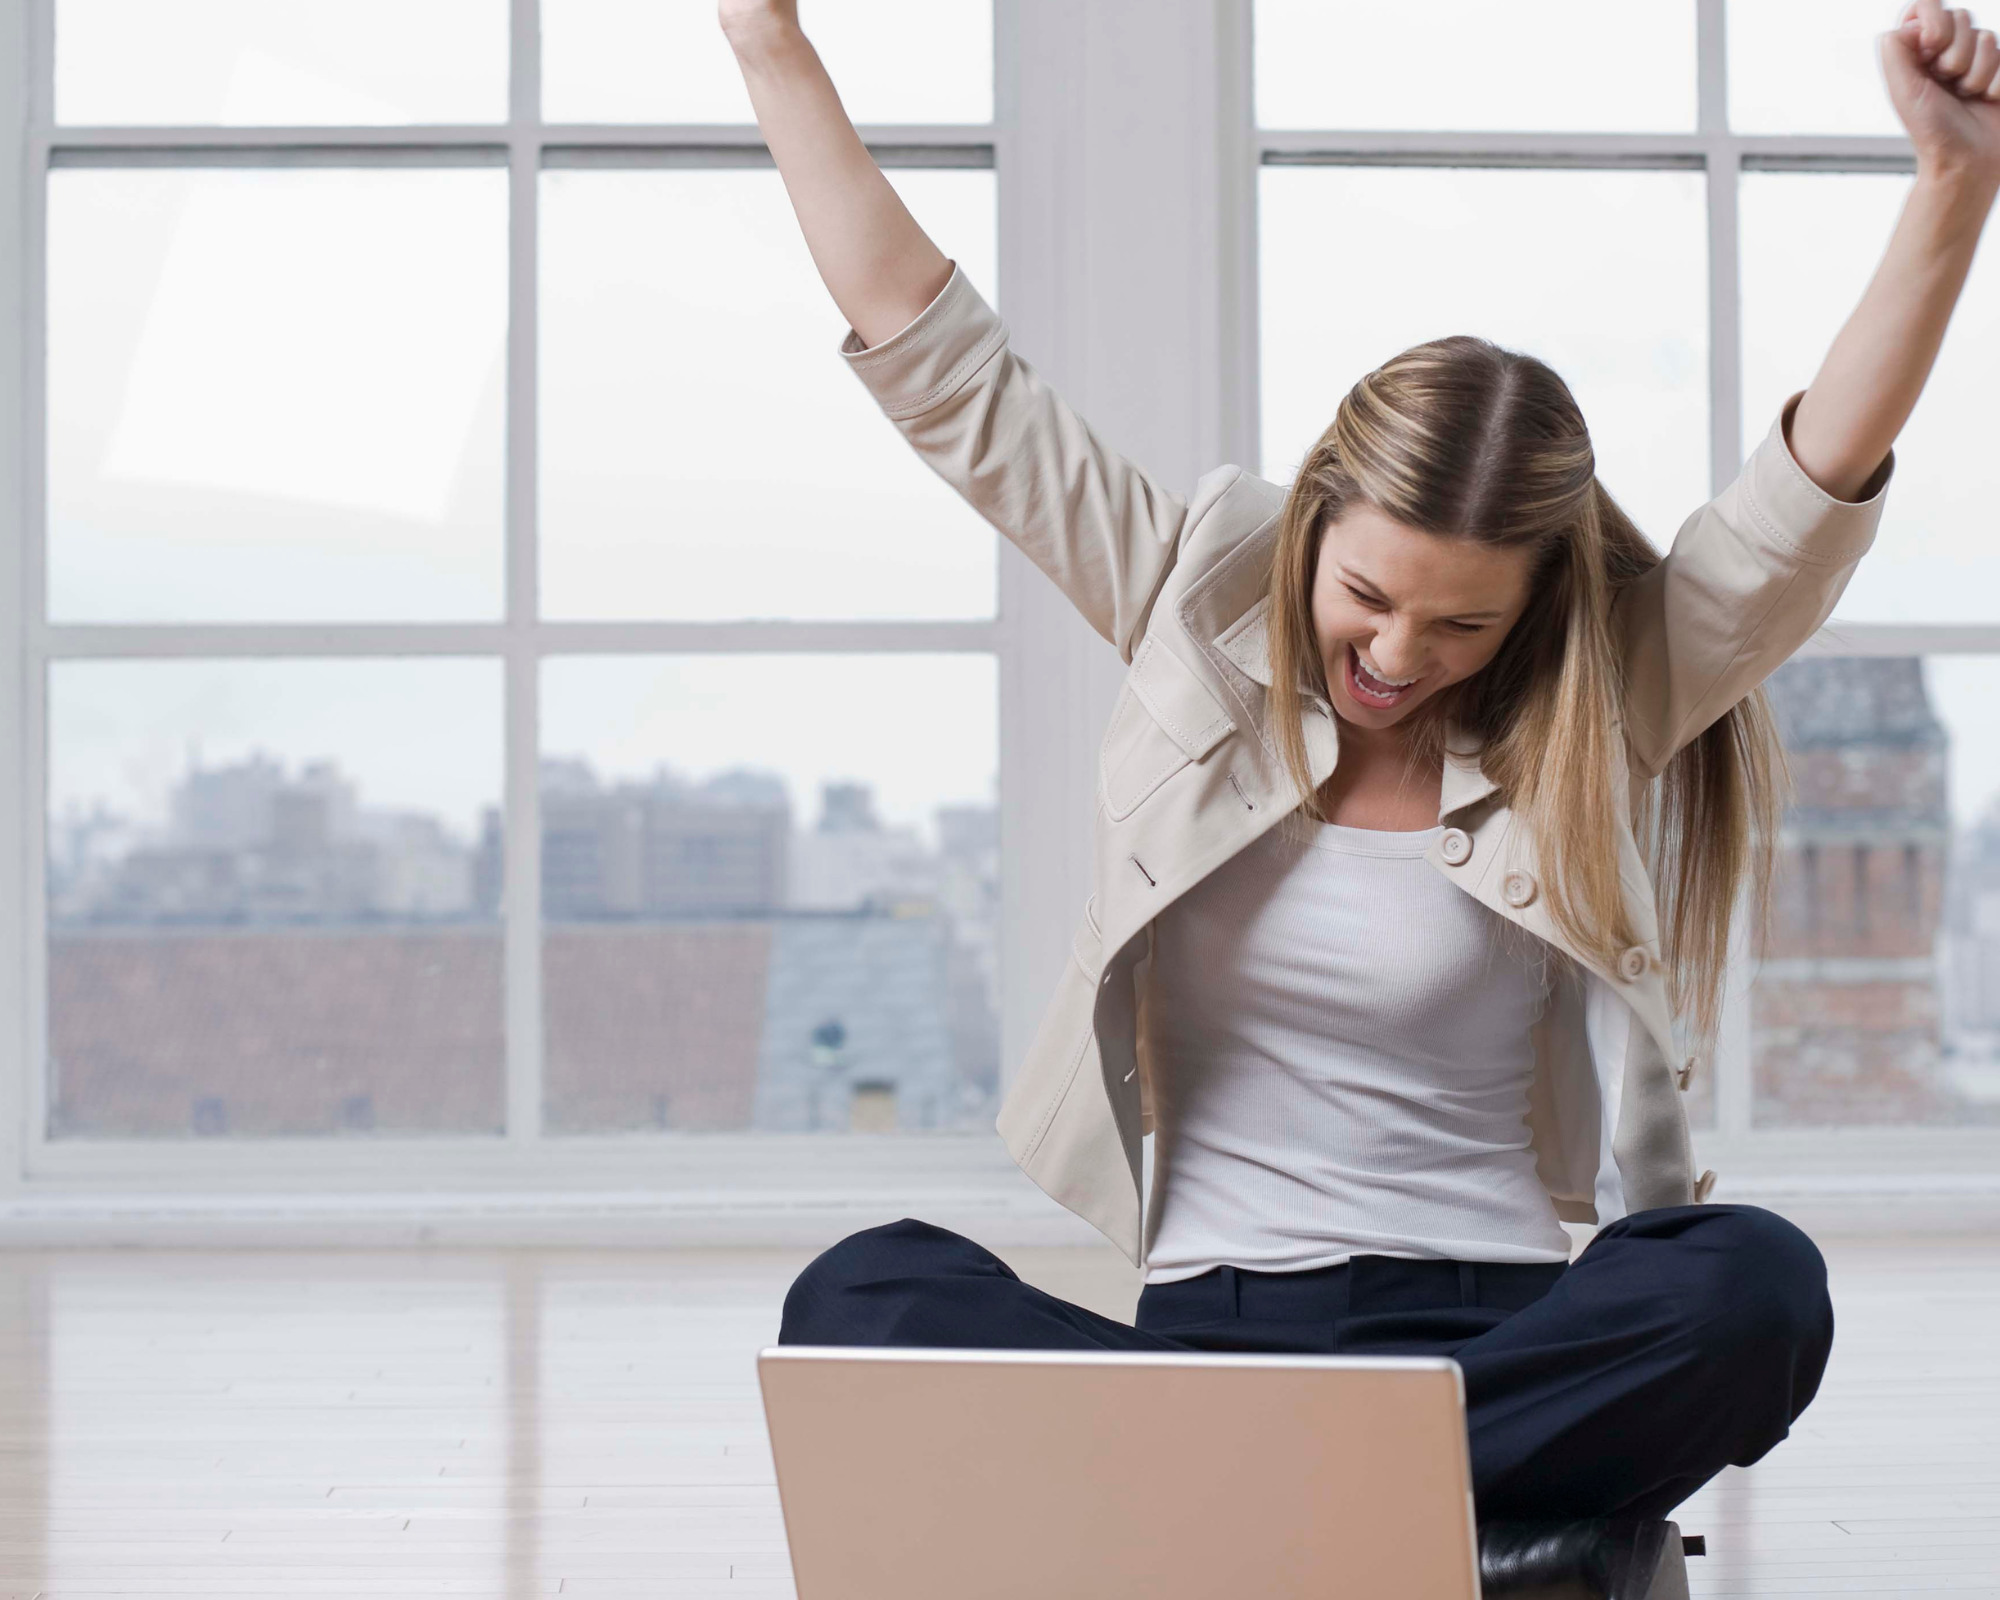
{"points": [[1401, 614]]}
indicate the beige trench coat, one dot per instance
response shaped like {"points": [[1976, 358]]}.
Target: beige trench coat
{"points": [[1189, 772]]}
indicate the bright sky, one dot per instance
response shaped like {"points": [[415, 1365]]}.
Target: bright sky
{"points": [[1795, 66], [922, 729], [324, 61], [426, 734], [418, 734], [258, 413]]}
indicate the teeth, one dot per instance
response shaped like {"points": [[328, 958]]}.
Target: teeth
{"points": [[1374, 678]]}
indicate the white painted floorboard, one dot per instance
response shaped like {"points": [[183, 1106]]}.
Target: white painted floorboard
{"points": [[326, 1423]]}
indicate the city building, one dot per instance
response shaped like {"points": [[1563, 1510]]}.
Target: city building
{"points": [[1846, 1007], [250, 842], [664, 847], [282, 959], [1972, 911]]}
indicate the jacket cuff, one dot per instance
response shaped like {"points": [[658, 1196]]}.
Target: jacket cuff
{"points": [[922, 364], [1797, 514]]}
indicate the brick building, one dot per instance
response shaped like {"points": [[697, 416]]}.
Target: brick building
{"points": [[1846, 1012], [711, 1025], [1972, 920]]}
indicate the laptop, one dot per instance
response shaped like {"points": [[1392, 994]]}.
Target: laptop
{"points": [[1042, 1475]]}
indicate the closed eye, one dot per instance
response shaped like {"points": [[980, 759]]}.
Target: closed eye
{"points": [[1374, 602]]}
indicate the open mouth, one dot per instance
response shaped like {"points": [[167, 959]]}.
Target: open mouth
{"points": [[1369, 690]]}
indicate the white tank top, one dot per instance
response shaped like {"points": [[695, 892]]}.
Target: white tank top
{"points": [[1340, 1058]]}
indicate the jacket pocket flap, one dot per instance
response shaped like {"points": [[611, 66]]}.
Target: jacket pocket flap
{"points": [[1179, 701]]}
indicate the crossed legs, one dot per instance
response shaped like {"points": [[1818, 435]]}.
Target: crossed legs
{"points": [[1681, 1341]]}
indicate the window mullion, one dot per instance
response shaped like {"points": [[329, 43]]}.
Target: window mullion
{"points": [[1725, 334], [521, 898], [23, 157], [1731, 1061]]}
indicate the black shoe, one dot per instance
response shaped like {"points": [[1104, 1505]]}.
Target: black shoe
{"points": [[1600, 1559]]}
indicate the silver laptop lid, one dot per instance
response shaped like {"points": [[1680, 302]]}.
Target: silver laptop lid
{"points": [[1005, 1475]]}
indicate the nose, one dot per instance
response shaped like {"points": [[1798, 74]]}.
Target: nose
{"points": [[1396, 652]]}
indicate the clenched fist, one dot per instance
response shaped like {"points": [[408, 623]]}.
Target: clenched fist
{"points": [[1944, 81]]}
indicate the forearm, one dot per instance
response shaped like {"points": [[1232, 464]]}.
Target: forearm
{"points": [[880, 267], [1868, 385]]}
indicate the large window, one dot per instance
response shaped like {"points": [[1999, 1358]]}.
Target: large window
{"points": [[494, 676], [492, 704], [1681, 238]]}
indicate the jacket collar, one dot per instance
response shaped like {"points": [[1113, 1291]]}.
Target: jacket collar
{"points": [[1247, 643]]}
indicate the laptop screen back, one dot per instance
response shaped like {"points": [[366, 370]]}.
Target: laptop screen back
{"points": [[1000, 1475]]}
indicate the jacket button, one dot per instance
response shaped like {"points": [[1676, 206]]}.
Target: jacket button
{"points": [[1685, 1075], [1704, 1186], [1518, 888], [1633, 963], [1456, 846]]}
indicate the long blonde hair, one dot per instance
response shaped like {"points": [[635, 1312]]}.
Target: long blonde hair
{"points": [[1464, 439]]}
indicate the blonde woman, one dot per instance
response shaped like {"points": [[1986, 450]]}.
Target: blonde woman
{"points": [[1420, 818]]}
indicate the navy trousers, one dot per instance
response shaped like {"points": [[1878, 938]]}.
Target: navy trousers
{"points": [[1680, 1341]]}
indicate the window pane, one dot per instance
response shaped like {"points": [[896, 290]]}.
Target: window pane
{"points": [[1809, 66], [273, 897], [1811, 241], [667, 61], [1528, 65], [248, 62], [1601, 274], [1878, 998], [769, 885], [276, 395], [705, 451]]}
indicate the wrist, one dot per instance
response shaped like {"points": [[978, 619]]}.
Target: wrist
{"points": [[1960, 186], [763, 43]]}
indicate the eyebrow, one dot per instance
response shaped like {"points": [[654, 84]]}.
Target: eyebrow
{"points": [[1348, 574]]}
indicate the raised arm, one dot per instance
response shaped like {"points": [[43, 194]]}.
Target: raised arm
{"points": [[1944, 80], [1755, 572], [936, 356], [879, 266]]}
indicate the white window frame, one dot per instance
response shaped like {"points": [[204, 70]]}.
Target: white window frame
{"points": [[1126, 156]]}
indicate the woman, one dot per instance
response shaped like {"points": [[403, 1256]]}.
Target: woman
{"points": [[1522, 766]]}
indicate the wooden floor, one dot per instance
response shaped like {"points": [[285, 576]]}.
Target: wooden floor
{"points": [[584, 1424]]}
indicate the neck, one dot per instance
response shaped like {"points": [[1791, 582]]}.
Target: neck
{"points": [[1387, 743], [1381, 780]]}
